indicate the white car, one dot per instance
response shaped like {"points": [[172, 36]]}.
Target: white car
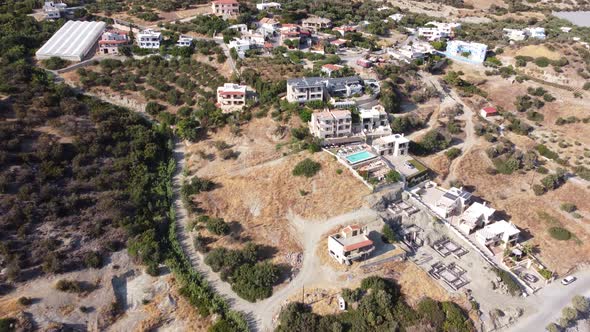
{"points": [[568, 280]]}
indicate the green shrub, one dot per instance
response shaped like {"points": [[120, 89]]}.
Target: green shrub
{"points": [[560, 233], [70, 286], [339, 171], [93, 259], [581, 304], [568, 207], [539, 189], [393, 176], [546, 152], [217, 226], [545, 273], [55, 63], [7, 324], [307, 168], [25, 301], [511, 284], [542, 62], [388, 234], [453, 153]]}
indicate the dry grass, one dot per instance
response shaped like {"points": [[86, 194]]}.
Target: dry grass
{"points": [[512, 194], [258, 190], [536, 51]]}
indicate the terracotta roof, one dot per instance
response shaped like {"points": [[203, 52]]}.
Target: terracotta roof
{"points": [[490, 110], [225, 2], [332, 67], [101, 42], [365, 243], [231, 93], [351, 228]]}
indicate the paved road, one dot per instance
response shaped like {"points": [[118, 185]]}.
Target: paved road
{"points": [[550, 301]]}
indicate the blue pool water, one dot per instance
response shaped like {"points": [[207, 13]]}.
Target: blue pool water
{"points": [[359, 156]]}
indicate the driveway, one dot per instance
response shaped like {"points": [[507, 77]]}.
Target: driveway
{"points": [[549, 302]]}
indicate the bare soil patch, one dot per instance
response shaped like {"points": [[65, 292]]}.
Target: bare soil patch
{"points": [[261, 197]]}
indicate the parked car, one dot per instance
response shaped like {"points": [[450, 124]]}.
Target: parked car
{"points": [[568, 280], [530, 278]]}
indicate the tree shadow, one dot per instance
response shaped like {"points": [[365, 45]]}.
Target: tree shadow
{"points": [[266, 252]]}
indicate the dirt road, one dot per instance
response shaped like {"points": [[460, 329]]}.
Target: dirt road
{"points": [[261, 314]]}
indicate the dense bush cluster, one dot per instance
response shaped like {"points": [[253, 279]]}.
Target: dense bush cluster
{"points": [[250, 276], [378, 307], [307, 168]]}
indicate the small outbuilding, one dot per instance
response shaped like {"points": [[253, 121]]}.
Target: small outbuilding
{"points": [[488, 111], [73, 41]]}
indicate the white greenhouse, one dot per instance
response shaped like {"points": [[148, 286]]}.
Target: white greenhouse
{"points": [[73, 41]]}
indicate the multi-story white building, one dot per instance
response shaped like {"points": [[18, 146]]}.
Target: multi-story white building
{"points": [[417, 50], [231, 97], [269, 25], [501, 233], [149, 39], [350, 244], [374, 121], [225, 8], [477, 215], [54, 10], [437, 30], [452, 202], [184, 41], [305, 89], [240, 28], [316, 23], [522, 34], [331, 124], [268, 5], [111, 40], [394, 145]]}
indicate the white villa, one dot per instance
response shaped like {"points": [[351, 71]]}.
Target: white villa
{"points": [[477, 215], [437, 30], [331, 124], [350, 244], [522, 34], [452, 202], [305, 89], [374, 121], [269, 25], [395, 145], [417, 50], [149, 39], [231, 97], [501, 233], [241, 28], [54, 10], [268, 5], [184, 41]]}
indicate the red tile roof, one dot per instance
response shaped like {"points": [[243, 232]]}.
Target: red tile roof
{"points": [[101, 42], [490, 110], [225, 2], [362, 244], [231, 93], [332, 67]]}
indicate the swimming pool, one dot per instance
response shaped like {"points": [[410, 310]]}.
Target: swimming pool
{"points": [[356, 158]]}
